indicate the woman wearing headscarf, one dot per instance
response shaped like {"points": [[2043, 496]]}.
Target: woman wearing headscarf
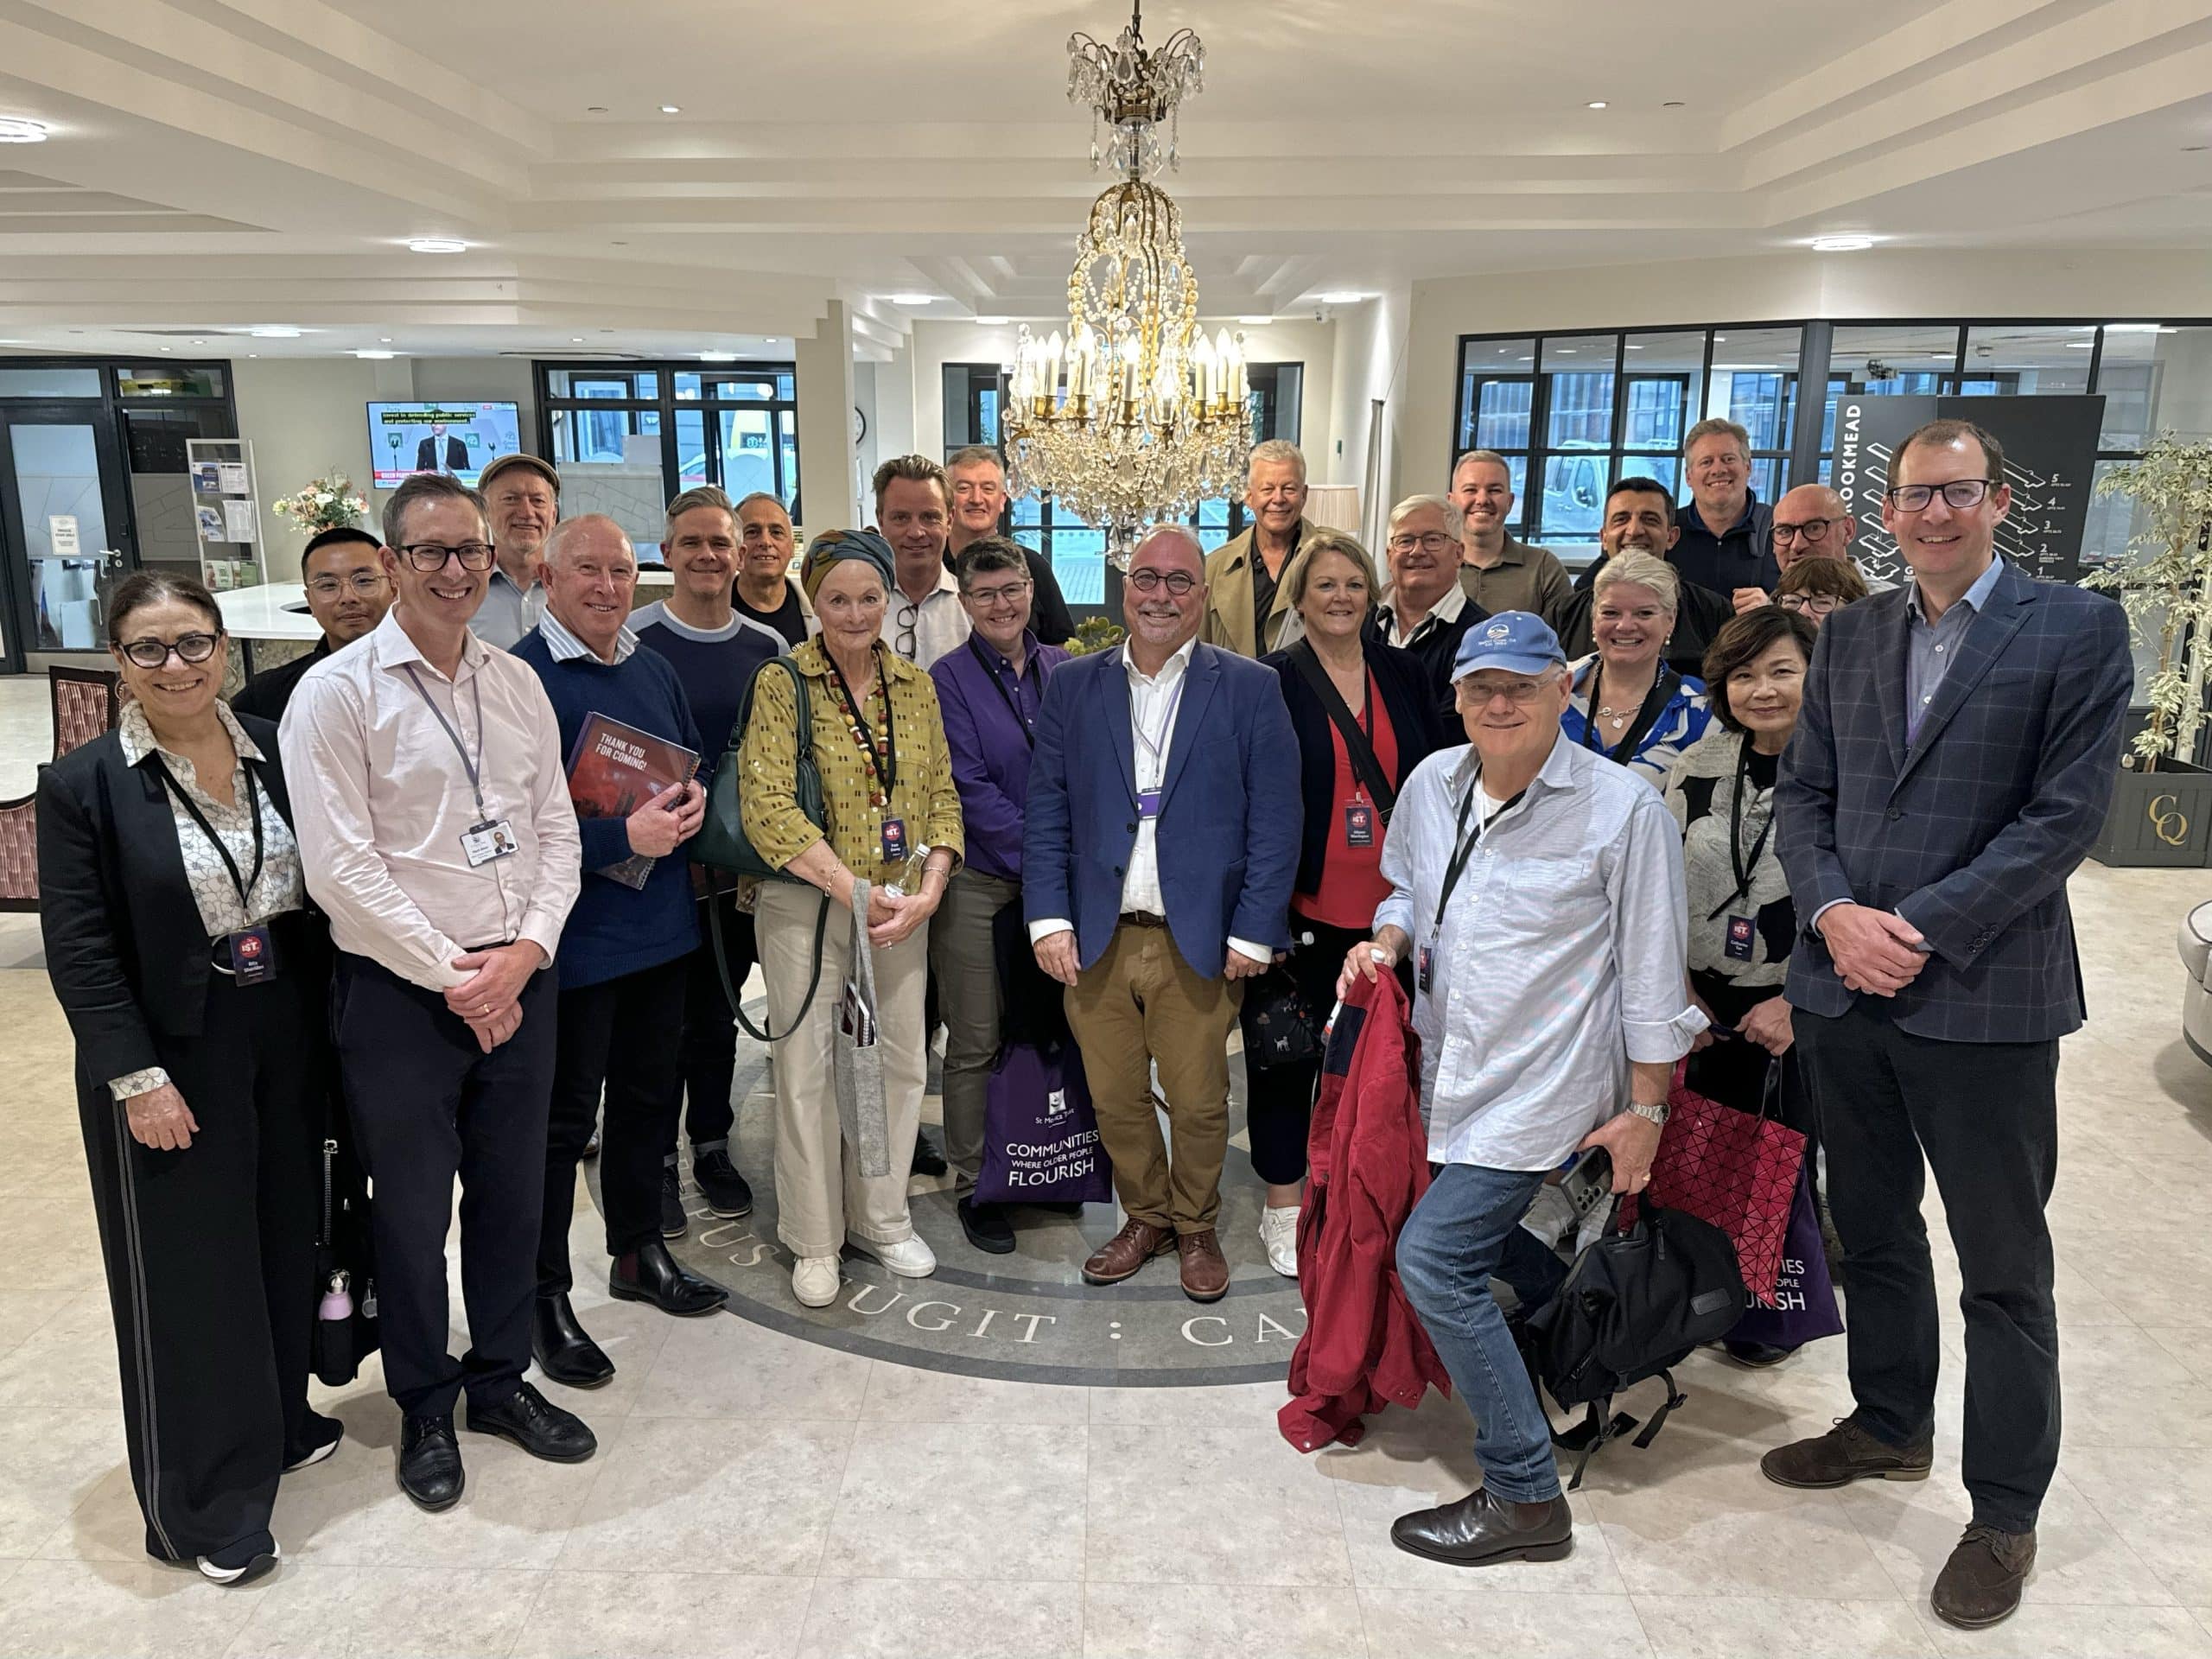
{"points": [[847, 1114]]}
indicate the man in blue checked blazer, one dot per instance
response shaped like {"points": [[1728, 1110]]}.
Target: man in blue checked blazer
{"points": [[1954, 761]]}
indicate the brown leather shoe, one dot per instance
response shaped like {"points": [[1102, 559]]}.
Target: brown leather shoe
{"points": [[1980, 1584], [1128, 1250], [1480, 1529], [1205, 1270], [1846, 1452]]}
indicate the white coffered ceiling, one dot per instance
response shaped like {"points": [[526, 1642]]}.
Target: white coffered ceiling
{"points": [[217, 164]]}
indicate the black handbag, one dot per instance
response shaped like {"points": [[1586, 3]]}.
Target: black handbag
{"points": [[1283, 1031], [345, 1330]]}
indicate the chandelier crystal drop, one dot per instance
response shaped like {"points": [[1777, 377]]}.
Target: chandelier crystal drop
{"points": [[1133, 415]]}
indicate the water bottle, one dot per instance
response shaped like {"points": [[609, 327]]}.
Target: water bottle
{"points": [[338, 1301]]}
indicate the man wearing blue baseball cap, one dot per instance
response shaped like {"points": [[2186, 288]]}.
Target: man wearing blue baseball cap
{"points": [[1538, 888]]}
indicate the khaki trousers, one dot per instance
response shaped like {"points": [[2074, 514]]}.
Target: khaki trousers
{"points": [[821, 1195], [1138, 1003]]}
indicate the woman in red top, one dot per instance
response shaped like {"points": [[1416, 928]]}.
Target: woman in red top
{"points": [[1365, 717]]}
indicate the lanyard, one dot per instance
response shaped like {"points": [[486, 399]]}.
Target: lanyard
{"points": [[885, 763], [245, 885], [474, 768], [1465, 844], [991, 670], [1156, 745], [1744, 869], [1646, 717]]}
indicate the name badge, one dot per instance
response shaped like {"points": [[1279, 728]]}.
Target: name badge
{"points": [[253, 955], [486, 842], [1359, 825], [1424, 978], [1148, 804], [894, 838], [1741, 930]]}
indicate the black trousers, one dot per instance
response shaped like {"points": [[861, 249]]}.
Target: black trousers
{"points": [[427, 1104], [1279, 1099], [210, 1257], [622, 1038], [711, 1028], [1986, 1116]]}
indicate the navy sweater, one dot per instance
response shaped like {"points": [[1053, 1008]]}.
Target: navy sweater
{"points": [[715, 669], [615, 930]]}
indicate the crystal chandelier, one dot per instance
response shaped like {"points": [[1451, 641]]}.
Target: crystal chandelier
{"points": [[1132, 416]]}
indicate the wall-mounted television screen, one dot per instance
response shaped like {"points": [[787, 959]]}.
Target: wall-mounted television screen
{"points": [[457, 438]]}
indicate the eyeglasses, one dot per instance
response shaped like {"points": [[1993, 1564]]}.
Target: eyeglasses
{"points": [[364, 582], [906, 639], [1959, 494], [990, 598], [1434, 541], [1813, 529], [1515, 690], [189, 647], [1810, 604], [428, 556], [1148, 580]]}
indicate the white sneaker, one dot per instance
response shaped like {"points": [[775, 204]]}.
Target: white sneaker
{"points": [[909, 1258], [244, 1564], [1279, 1237], [813, 1280]]}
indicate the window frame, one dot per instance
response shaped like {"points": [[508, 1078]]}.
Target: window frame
{"points": [[664, 404]]}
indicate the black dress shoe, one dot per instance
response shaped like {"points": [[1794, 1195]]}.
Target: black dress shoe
{"points": [[429, 1462], [674, 1223], [650, 1274], [928, 1161], [536, 1425], [987, 1227], [1757, 1355], [1480, 1529], [565, 1350], [727, 1193]]}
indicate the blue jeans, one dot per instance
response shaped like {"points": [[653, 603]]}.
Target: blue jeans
{"points": [[1450, 1248]]}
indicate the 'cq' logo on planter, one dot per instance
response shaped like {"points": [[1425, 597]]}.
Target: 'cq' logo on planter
{"points": [[2168, 821]]}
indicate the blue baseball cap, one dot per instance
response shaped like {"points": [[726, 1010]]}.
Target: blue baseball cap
{"points": [[1512, 640]]}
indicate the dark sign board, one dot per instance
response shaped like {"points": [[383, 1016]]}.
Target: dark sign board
{"points": [[2050, 451]]}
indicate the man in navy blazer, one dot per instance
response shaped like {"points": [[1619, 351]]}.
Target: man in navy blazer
{"points": [[1158, 856], [1953, 763]]}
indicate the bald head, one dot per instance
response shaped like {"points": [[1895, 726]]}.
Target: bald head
{"points": [[1811, 519], [590, 576]]}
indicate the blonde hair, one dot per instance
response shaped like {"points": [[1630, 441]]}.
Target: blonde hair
{"points": [[1316, 543], [1645, 572]]}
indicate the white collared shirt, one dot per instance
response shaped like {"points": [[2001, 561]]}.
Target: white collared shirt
{"points": [[1155, 706], [564, 647], [1560, 957], [381, 800], [1441, 614], [922, 634]]}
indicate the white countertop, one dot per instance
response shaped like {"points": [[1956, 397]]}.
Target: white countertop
{"points": [[278, 610]]}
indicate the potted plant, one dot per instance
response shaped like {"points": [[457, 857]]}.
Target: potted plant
{"points": [[2162, 809]]}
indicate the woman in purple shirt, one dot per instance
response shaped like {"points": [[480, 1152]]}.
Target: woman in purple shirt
{"points": [[989, 689]]}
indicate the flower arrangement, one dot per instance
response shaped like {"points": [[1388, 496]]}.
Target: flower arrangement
{"points": [[325, 504]]}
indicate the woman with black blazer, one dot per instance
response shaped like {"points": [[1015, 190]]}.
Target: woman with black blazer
{"points": [[1366, 715], [196, 984]]}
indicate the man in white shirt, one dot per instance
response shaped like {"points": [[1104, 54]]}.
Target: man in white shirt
{"points": [[1158, 851], [436, 833], [922, 618], [1538, 888]]}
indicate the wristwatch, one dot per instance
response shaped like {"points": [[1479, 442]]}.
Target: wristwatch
{"points": [[1655, 1112]]}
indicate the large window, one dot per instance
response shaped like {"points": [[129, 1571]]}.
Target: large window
{"points": [[736, 425], [975, 395]]}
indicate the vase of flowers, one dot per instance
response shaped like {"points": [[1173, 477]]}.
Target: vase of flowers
{"points": [[326, 504]]}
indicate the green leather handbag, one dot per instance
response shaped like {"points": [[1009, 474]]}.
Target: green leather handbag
{"points": [[722, 843]]}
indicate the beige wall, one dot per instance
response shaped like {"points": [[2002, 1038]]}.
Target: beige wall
{"points": [[2086, 284]]}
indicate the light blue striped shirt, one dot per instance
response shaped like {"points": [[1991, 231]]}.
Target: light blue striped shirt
{"points": [[1559, 959]]}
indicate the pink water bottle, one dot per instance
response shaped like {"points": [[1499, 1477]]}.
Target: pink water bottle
{"points": [[338, 1301]]}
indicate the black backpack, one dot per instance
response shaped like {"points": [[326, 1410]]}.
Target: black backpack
{"points": [[1634, 1305]]}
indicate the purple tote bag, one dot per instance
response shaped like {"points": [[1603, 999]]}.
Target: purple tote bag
{"points": [[1040, 1136]]}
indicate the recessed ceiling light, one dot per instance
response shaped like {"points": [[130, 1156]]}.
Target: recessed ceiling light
{"points": [[384, 340], [22, 130], [913, 299], [275, 332], [718, 357], [1595, 104], [769, 339], [165, 348], [1342, 299], [253, 353], [375, 356], [991, 322], [437, 245], [575, 339], [670, 109], [1841, 243]]}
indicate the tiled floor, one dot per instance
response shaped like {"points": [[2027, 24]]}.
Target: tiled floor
{"points": [[758, 1496]]}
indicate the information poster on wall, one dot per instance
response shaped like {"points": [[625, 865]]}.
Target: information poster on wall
{"points": [[2051, 453]]}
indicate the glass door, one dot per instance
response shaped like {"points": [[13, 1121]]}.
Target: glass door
{"points": [[65, 532]]}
